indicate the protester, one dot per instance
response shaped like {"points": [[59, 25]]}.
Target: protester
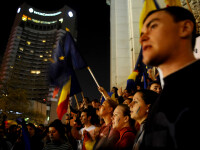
{"points": [[12, 134], [29, 138], [96, 103], [4, 143], [57, 137], [85, 103], [139, 107], [87, 132], [122, 122], [35, 139], [127, 101], [155, 86], [168, 39], [107, 135]]}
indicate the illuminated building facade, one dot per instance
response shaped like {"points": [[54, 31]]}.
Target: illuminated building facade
{"points": [[30, 45]]}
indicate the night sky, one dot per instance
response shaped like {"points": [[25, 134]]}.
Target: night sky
{"points": [[93, 39]]}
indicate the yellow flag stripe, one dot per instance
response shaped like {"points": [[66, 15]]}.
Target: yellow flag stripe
{"points": [[148, 6], [65, 91]]}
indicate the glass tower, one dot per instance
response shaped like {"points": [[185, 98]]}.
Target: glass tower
{"points": [[32, 39]]}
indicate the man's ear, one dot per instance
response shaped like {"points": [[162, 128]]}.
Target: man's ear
{"points": [[89, 118], [126, 118], [186, 28], [110, 109]]}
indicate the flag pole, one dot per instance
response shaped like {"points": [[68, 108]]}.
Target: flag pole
{"points": [[82, 95], [189, 6], [76, 101], [93, 76], [95, 80]]}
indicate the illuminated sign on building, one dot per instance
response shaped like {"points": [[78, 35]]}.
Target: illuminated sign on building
{"points": [[44, 14], [24, 18]]}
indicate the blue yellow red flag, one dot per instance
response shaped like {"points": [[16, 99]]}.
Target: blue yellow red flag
{"points": [[65, 59], [131, 82], [148, 6]]}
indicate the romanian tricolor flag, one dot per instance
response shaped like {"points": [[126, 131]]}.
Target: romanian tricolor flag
{"points": [[64, 99], [131, 82], [148, 6], [65, 59]]}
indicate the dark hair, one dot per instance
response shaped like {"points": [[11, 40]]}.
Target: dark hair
{"points": [[57, 124], [91, 112], [88, 111], [148, 96], [96, 100], [115, 89], [31, 125], [156, 82], [179, 14], [126, 112]]}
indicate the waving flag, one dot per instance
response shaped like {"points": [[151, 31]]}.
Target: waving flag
{"points": [[148, 6], [65, 59], [131, 82]]}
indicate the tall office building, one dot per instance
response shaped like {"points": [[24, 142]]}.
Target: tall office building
{"points": [[33, 37]]}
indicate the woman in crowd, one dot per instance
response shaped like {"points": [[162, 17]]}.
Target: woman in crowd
{"points": [[122, 121], [57, 137], [29, 138], [140, 107], [108, 136]]}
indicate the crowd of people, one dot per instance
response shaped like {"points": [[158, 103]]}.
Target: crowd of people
{"points": [[111, 124], [145, 119]]}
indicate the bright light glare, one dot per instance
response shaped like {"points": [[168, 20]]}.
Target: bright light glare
{"points": [[31, 10], [18, 10], [70, 13]]}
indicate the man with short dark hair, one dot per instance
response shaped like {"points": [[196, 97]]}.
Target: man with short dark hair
{"points": [[168, 39]]}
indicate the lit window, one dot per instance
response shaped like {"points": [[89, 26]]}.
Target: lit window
{"points": [[43, 41], [45, 59], [11, 67], [67, 29], [41, 56], [32, 51], [35, 71], [24, 18], [49, 55], [28, 42], [61, 20], [21, 48], [19, 56]]}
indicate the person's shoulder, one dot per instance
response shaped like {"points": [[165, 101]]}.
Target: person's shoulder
{"points": [[65, 146], [92, 127], [49, 146]]}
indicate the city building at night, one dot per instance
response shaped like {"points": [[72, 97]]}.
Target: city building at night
{"points": [[32, 39]]}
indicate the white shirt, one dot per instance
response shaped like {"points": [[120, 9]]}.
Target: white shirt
{"points": [[90, 129]]}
